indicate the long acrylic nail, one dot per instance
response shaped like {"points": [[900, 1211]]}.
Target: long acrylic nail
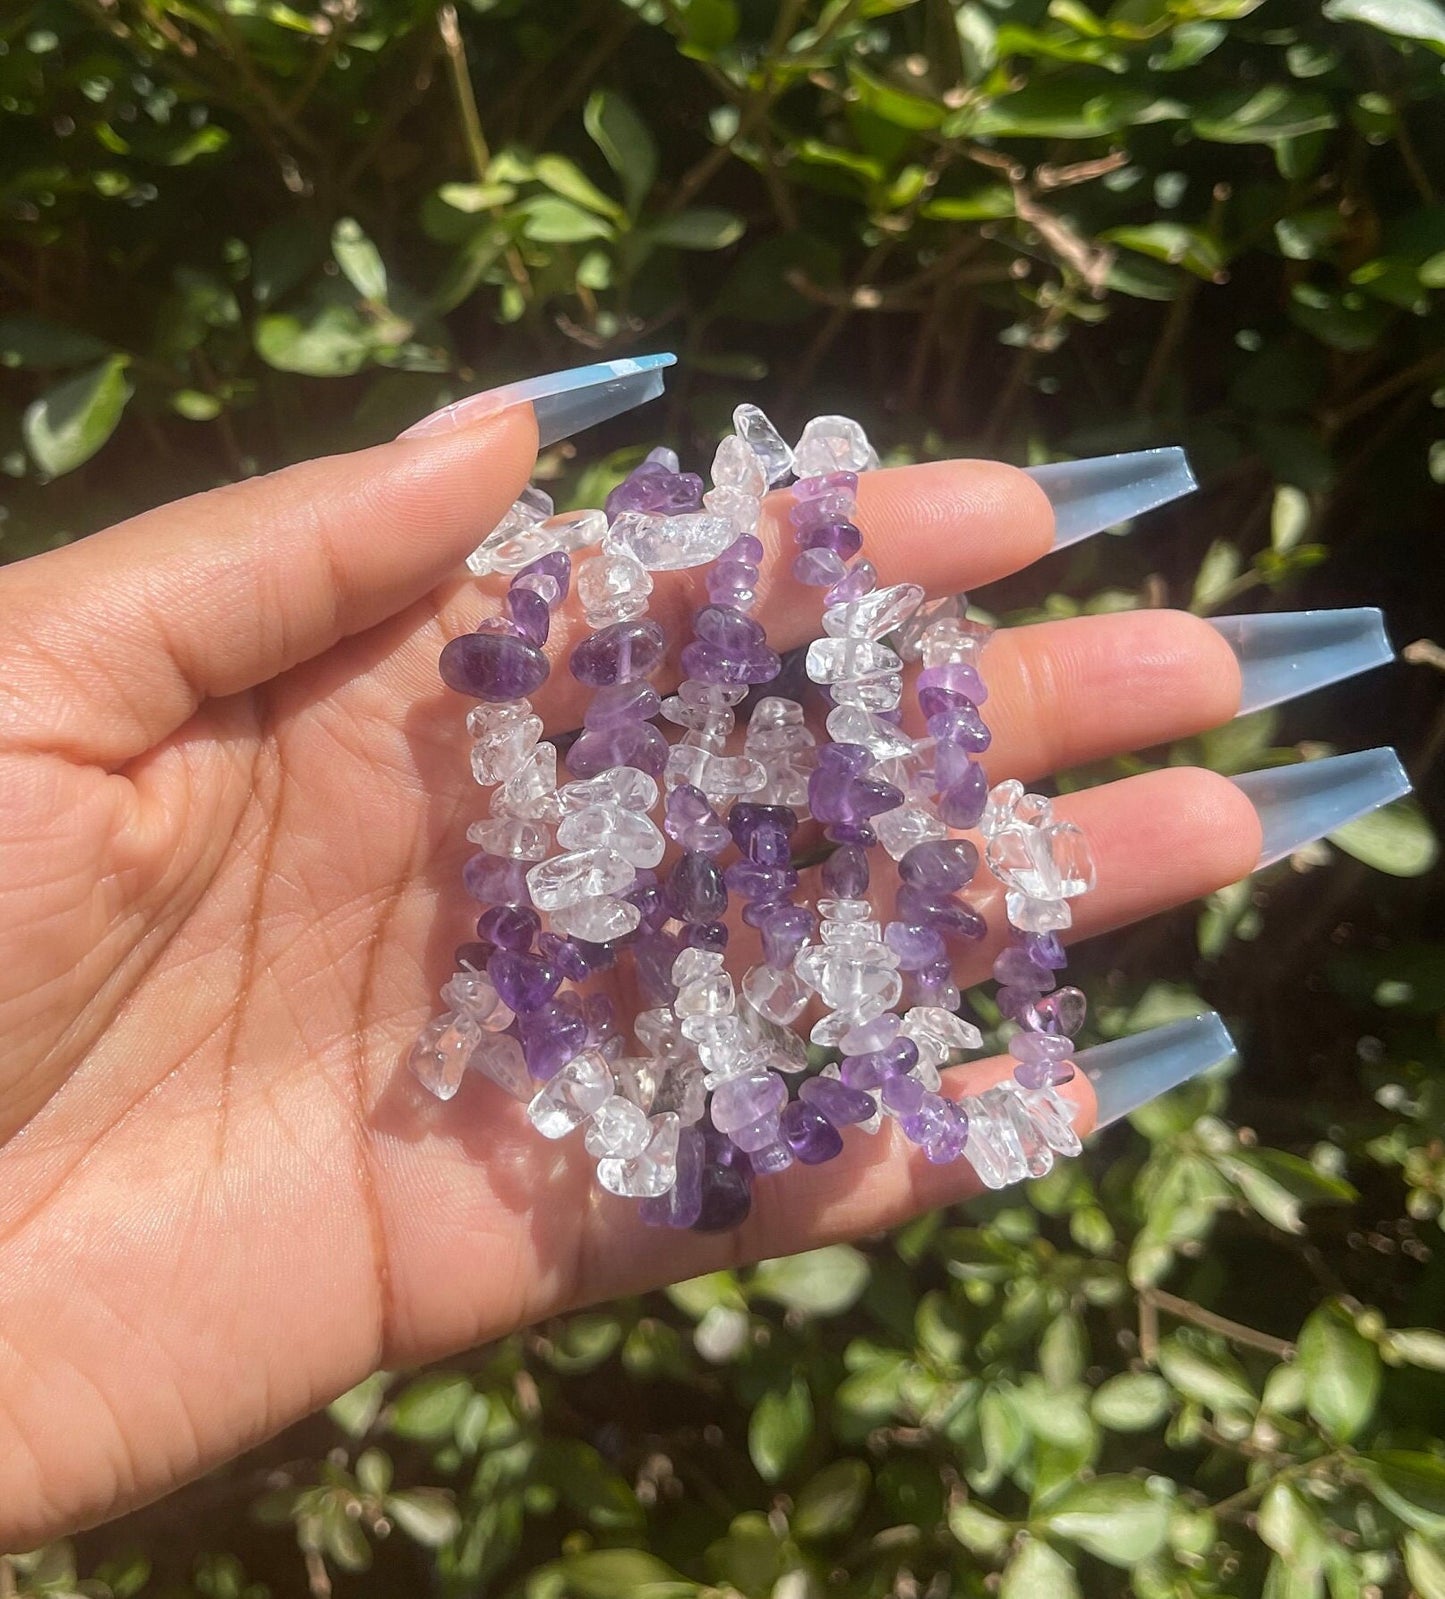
{"points": [[563, 402], [1283, 654], [1301, 803], [1128, 1072], [1088, 496]]}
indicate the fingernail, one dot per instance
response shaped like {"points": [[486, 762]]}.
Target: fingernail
{"points": [[1088, 496], [1301, 803], [563, 402], [1128, 1072], [1283, 654]]}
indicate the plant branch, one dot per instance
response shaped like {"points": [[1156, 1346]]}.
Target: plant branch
{"points": [[1236, 1332]]}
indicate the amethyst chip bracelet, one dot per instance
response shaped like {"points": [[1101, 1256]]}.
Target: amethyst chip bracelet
{"points": [[712, 1086]]}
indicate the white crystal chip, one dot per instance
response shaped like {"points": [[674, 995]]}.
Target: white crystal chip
{"points": [[582, 1086], [832, 444], [754, 428], [579, 875], [671, 543]]}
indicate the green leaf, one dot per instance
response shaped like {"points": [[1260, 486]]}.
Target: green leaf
{"points": [[1289, 1525], [1341, 1371], [471, 199], [343, 1540], [697, 1295], [1425, 1566], [430, 1407], [33, 341], [1406, 19], [1211, 1379], [373, 1471], [977, 1528], [822, 1282], [1063, 1352], [1174, 243], [829, 1503], [1115, 1518], [702, 228], [1038, 1572], [1397, 839], [626, 145], [1278, 1185], [1217, 572], [426, 1515], [1262, 115], [1411, 1485], [566, 178], [898, 106], [584, 1342], [619, 1574], [1289, 519], [359, 260], [1417, 1346], [323, 339], [779, 1429], [1133, 1401], [68, 423], [549, 219]]}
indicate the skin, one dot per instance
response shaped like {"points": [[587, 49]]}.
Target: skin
{"points": [[235, 800]]}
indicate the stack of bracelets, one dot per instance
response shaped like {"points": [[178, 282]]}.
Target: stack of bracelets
{"points": [[714, 1089]]}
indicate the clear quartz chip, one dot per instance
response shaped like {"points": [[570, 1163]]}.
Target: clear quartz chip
{"points": [[512, 837], [1037, 915], [499, 751], [1054, 1117], [439, 1056], [953, 640], [735, 465], [904, 826], [597, 921], [875, 614], [650, 1174], [618, 1127], [832, 444], [940, 1028], [771, 449], [579, 875], [884, 740], [670, 543], [839, 660], [780, 996], [743, 510], [612, 587], [499, 1056], [582, 1086], [531, 791], [633, 834], [511, 546], [472, 994], [1042, 862], [623, 786]]}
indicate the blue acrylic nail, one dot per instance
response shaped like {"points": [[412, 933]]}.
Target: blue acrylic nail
{"points": [[1283, 654], [1304, 802], [563, 402], [1128, 1072], [1088, 496]]}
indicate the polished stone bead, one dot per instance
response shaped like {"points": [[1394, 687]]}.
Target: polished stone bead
{"points": [[845, 872], [831, 445], [711, 936], [621, 704], [956, 680], [873, 615], [1047, 950], [711, 663], [509, 926], [625, 787], [511, 837], [961, 725], [760, 883], [941, 865], [843, 538], [864, 1038], [681, 1205], [1016, 967], [763, 439], [746, 821], [785, 929], [636, 744], [812, 1138], [578, 875], [1049, 862], [575, 1090], [695, 889], [618, 654], [873, 1069], [915, 944], [439, 1056], [529, 614], [555, 568], [551, 1036], [565, 955], [493, 666], [861, 578], [843, 1106], [524, 982], [821, 568], [1061, 1013], [902, 1095], [496, 881], [671, 543], [599, 919], [961, 803], [726, 1198], [654, 487]]}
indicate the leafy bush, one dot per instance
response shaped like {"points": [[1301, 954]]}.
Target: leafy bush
{"points": [[237, 232]]}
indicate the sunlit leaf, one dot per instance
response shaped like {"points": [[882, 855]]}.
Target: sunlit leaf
{"points": [[821, 1282], [1341, 1371], [625, 142], [69, 422], [1397, 839], [779, 1428], [1406, 19], [1116, 1518]]}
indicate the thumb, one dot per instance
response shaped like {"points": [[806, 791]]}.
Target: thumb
{"points": [[112, 643]]}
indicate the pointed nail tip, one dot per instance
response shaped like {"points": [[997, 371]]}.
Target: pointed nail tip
{"points": [[1286, 654], [1298, 805], [1130, 1072]]}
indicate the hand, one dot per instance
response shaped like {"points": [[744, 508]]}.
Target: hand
{"points": [[235, 801]]}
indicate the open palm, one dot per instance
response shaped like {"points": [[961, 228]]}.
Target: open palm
{"points": [[234, 810]]}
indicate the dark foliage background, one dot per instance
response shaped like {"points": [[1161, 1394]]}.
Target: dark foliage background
{"points": [[1205, 1359]]}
